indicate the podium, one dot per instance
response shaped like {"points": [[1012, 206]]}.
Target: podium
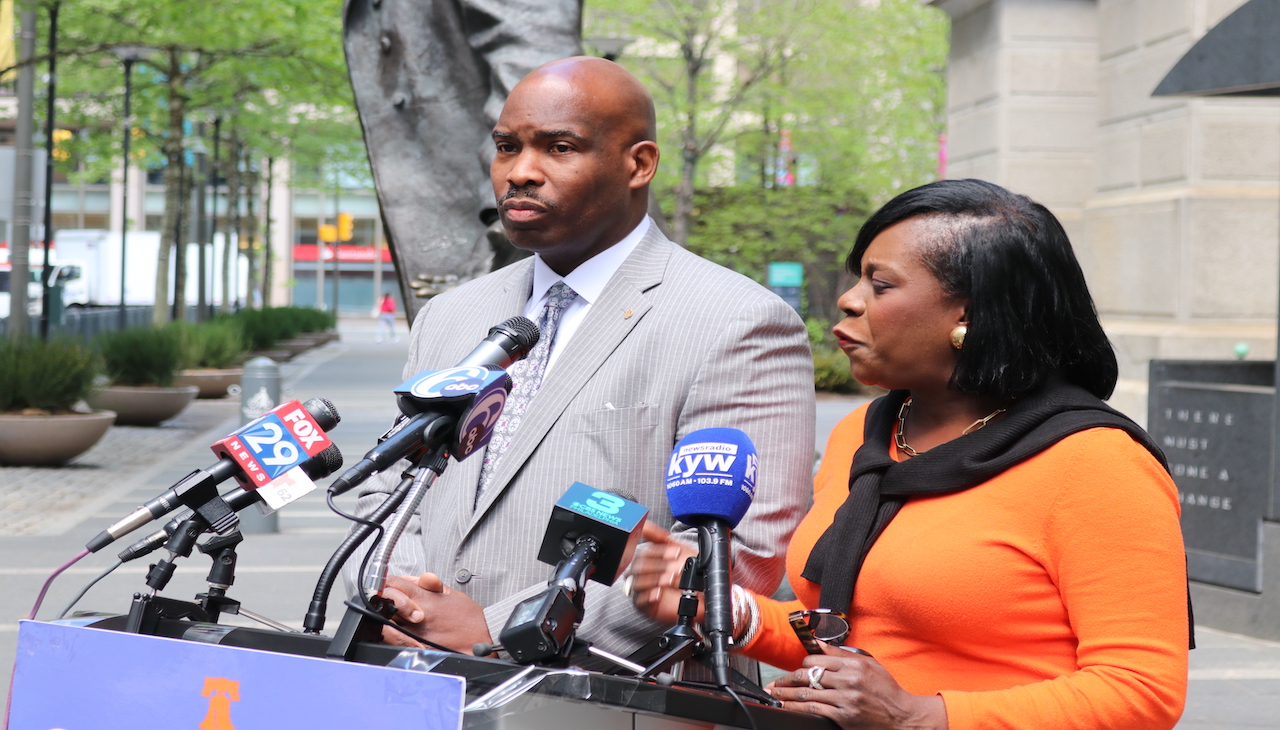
{"points": [[89, 673]]}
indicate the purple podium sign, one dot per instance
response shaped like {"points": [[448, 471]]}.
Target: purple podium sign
{"points": [[80, 678]]}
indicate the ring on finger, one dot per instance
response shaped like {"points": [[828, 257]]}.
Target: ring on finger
{"points": [[815, 676], [626, 586]]}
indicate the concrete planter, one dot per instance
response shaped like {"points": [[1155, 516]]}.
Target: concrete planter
{"points": [[296, 346], [212, 383], [273, 354], [321, 338], [143, 405], [50, 440]]}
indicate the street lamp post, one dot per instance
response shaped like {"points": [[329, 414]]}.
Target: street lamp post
{"points": [[213, 218], [201, 221], [129, 55], [45, 305]]}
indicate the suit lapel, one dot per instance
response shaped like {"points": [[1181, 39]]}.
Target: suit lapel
{"points": [[512, 297], [621, 306]]}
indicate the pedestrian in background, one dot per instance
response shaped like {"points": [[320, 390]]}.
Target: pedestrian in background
{"points": [[387, 317]]}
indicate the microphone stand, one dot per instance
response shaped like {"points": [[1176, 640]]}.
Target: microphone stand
{"points": [[313, 622], [368, 611], [682, 642], [541, 629], [147, 609]]}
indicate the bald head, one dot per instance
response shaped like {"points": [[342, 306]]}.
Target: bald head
{"points": [[608, 94], [575, 150]]}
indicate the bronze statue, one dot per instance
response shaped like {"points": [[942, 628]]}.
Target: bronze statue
{"points": [[430, 78]]}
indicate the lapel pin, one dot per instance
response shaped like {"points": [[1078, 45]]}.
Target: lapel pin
{"points": [[627, 314]]}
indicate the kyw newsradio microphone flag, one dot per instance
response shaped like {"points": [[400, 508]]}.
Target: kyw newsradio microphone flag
{"points": [[711, 480]]}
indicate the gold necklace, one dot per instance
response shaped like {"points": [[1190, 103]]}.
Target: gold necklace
{"points": [[900, 436]]}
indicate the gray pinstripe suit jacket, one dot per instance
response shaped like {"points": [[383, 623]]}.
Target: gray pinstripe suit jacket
{"points": [[675, 343]]}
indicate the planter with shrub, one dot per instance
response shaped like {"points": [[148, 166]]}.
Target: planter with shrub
{"points": [[140, 365], [40, 385], [283, 332], [209, 355]]}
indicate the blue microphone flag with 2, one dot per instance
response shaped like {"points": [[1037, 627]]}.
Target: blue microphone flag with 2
{"points": [[712, 474]]}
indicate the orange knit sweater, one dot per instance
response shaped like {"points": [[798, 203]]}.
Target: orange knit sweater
{"points": [[1052, 596]]}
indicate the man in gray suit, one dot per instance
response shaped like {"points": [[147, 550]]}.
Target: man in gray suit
{"points": [[651, 343]]}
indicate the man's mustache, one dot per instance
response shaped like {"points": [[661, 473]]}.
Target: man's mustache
{"points": [[527, 192]]}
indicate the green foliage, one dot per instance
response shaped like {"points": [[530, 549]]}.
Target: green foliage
{"points": [[216, 344], [50, 376], [863, 102], [265, 327], [310, 319], [830, 364], [140, 356], [272, 68], [859, 93], [746, 228], [831, 372]]}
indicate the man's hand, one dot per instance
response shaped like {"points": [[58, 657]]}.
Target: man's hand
{"points": [[434, 611]]}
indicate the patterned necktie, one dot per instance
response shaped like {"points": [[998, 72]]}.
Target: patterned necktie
{"points": [[527, 378]]}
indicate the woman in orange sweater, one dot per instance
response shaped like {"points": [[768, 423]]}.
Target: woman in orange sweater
{"points": [[1005, 545]]}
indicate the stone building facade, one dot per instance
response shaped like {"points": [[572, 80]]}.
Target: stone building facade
{"points": [[1173, 204]]}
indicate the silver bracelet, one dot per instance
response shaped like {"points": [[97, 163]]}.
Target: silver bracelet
{"points": [[746, 616]]}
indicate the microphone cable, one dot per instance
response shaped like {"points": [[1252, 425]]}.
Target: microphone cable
{"points": [[49, 581], [364, 607], [742, 705], [86, 588]]}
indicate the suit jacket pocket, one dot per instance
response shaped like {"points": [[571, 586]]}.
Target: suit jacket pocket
{"points": [[617, 419]]}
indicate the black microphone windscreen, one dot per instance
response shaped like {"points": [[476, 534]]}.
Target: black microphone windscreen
{"points": [[324, 463], [323, 410], [521, 329]]}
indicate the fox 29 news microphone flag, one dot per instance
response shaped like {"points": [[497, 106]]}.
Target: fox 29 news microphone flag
{"points": [[198, 490], [711, 480], [271, 448]]}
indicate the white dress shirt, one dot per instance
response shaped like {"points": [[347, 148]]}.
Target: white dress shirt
{"points": [[588, 280]]}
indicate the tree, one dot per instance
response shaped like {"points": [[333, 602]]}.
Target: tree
{"points": [[847, 117], [705, 57], [267, 63]]}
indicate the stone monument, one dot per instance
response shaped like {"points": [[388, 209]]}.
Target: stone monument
{"points": [[430, 80]]}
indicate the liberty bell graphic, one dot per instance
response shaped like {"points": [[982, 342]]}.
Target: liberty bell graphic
{"points": [[221, 693]]}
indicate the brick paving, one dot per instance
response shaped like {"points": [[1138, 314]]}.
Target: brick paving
{"points": [[51, 500], [111, 467]]}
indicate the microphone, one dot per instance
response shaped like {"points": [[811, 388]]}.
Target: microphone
{"points": [[592, 536], [294, 432], [317, 467], [711, 480], [431, 402]]}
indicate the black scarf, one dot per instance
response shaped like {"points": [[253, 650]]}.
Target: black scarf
{"points": [[879, 486]]}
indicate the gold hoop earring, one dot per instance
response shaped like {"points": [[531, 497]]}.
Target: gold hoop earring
{"points": [[957, 336]]}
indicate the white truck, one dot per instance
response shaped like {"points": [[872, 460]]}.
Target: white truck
{"points": [[97, 254], [66, 274]]}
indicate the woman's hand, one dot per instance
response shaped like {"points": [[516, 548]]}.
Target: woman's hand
{"points": [[653, 579], [857, 692]]}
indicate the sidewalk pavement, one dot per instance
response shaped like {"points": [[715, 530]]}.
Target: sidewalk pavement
{"points": [[47, 515]]}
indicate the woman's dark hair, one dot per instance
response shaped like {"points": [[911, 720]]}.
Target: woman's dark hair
{"points": [[1030, 313]]}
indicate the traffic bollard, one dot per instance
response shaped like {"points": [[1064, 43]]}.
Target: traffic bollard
{"points": [[259, 392]]}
